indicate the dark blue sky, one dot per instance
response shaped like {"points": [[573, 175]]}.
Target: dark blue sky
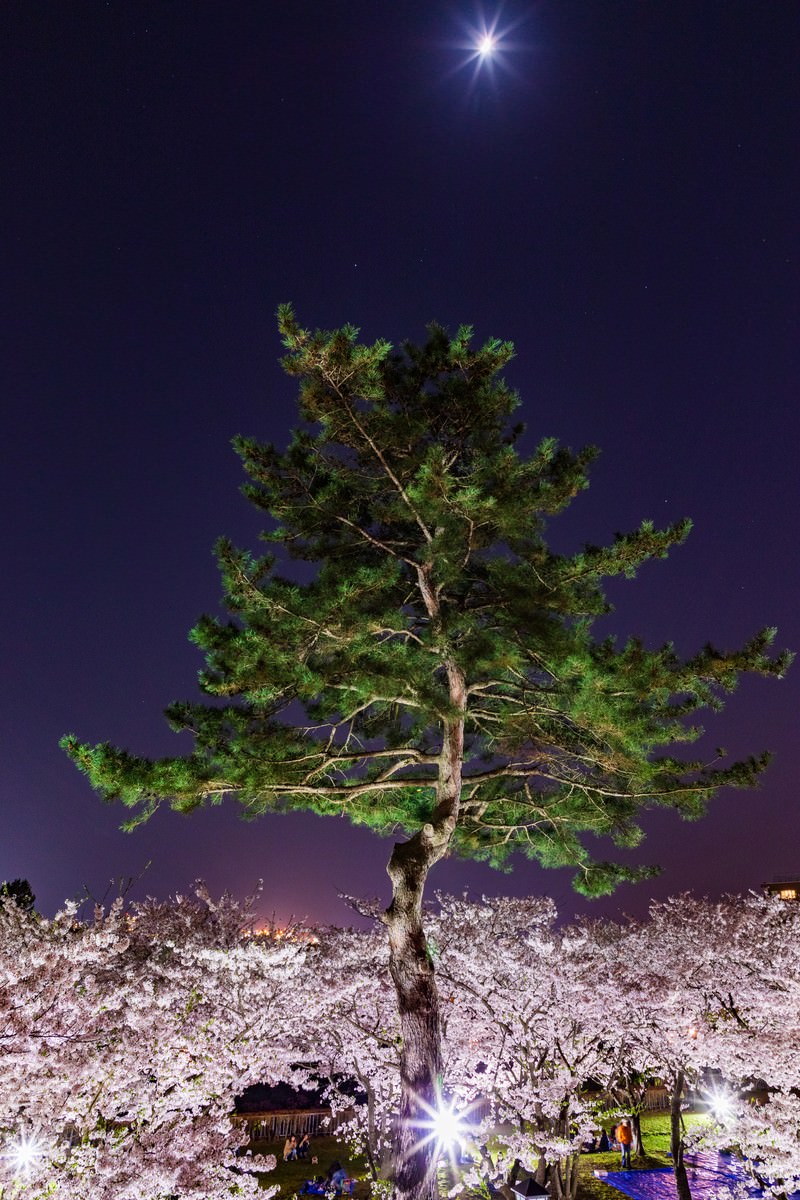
{"points": [[617, 194]]}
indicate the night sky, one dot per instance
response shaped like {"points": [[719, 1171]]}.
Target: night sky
{"points": [[616, 191]]}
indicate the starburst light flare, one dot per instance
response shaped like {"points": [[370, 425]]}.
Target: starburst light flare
{"points": [[720, 1105], [24, 1153], [487, 46], [446, 1127]]}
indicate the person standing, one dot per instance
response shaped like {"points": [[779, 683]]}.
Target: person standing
{"points": [[625, 1138]]}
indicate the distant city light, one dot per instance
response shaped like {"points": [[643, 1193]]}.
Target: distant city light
{"points": [[277, 934]]}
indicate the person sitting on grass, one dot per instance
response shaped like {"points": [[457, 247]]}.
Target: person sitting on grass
{"points": [[290, 1149], [336, 1177]]}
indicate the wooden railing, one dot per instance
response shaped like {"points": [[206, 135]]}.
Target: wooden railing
{"points": [[271, 1126], [656, 1097], [317, 1122]]}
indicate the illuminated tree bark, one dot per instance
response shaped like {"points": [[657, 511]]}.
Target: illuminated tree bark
{"points": [[676, 1137], [412, 970]]}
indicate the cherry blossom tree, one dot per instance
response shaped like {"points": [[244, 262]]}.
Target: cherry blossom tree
{"points": [[125, 1040], [701, 996], [517, 1049], [520, 1033], [355, 1043], [706, 996]]}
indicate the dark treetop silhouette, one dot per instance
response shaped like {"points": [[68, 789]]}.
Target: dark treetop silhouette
{"points": [[438, 675]]}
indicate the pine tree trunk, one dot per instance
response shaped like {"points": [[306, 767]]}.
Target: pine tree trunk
{"points": [[676, 1138], [414, 1166], [415, 1150]]}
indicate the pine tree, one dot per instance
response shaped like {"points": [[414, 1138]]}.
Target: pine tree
{"points": [[438, 674]]}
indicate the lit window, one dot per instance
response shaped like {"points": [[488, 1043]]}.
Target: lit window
{"points": [[788, 893]]}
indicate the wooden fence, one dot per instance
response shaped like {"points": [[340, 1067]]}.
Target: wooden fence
{"points": [[317, 1122], [656, 1098], [271, 1126]]}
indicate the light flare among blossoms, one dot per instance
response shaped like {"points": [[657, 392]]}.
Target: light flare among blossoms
{"points": [[531, 1011], [446, 1126], [23, 1154], [125, 1040]]}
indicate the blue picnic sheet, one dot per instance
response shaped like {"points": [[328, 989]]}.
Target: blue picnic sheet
{"points": [[709, 1173]]}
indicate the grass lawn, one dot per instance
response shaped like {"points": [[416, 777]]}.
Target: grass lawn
{"points": [[292, 1175], [655, 1136]]}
